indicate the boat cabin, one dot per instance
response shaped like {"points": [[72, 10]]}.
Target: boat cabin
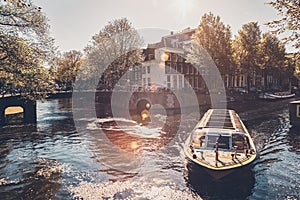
{"points": [[221, 127]]}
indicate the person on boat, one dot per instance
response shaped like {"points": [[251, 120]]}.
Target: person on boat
{"points": [[202, 140], [217, 154], [246, 146]]}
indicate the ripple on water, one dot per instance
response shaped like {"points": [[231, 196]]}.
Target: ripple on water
{"points": [[275, 172], [129, 190]]}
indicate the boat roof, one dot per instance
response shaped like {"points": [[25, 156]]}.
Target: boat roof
{"points": [[224, 119]]}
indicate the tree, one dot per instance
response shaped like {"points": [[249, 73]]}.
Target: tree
{"points": [[246, 53], [68, 66], [112, 51], [272, 51], [272, 55], [25, 46], [21, 70], [290, 21], [213, 36]]}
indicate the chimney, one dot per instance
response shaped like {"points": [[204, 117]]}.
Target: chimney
{"points": [[172, 32]]}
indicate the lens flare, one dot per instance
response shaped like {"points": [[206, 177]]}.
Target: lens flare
{"points": [[164, 56], [144, 114], [148, 105], [134, 145], [183, 7]]}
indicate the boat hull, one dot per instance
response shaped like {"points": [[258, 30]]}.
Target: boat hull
{"points": [[216, 174], [268, 96], [235, 185]]}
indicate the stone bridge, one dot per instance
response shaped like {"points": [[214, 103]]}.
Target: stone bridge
{"points": [[29, 108], [136, 102]]}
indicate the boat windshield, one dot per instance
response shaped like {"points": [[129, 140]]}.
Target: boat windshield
{"points": [[223, 141], [239, 140], [198, 138]]}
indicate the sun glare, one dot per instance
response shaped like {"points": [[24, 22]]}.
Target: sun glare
{"points": [[183, 6]]}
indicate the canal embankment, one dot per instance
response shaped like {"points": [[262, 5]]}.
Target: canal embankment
{"points": [[250, 110]]}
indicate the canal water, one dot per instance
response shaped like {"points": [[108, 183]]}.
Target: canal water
{"points": [[98, 159]]}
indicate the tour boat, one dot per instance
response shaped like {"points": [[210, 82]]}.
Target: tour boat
{"points": [[220, 143]]}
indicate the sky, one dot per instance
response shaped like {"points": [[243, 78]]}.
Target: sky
{"points": [[74, 22]]}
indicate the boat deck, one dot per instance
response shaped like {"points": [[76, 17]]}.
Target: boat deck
{"points": [[225, 159]]}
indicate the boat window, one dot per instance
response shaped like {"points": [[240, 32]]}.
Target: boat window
{"points": [[223, 141], [198, 138], [238, 141]]}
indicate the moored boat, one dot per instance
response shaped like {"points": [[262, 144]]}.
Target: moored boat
{"points": [[270, 96], [220, 143]]}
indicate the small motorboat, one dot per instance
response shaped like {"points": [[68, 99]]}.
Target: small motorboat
{"points": [[270, 96], [220, 143]]}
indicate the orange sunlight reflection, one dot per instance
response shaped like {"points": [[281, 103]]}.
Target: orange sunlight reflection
{"points": [[134, 145], [164, 56], [144, 114]]}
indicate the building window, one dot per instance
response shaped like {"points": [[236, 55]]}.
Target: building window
{"points": [[242, 81], [149, 81], [238, 81], [174, 57], [191, 80], [168, 68], [148, 69], [169, 81], [174, 68], [150, 56], [144, 69], [180, 59], [190, 69], [180, 81], [196, 71], [196, 82], [144, 81], [179, 68], [175, 81]]}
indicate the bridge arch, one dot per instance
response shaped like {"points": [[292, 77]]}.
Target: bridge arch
{"points": [[13, 111], [28, 106], [143, 104]]}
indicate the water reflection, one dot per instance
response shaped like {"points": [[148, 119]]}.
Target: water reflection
{"points": [[26, 172], [44, 161], [293, 138]]}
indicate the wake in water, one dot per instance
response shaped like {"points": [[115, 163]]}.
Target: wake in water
{"points": [[129, 190]]}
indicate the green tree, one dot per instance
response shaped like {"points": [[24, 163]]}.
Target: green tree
{"points": [[112, 51], [272, 52], [21, 70], [246, 54], [214, 37], [25, 46], [290, 21], [68, 66]]}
